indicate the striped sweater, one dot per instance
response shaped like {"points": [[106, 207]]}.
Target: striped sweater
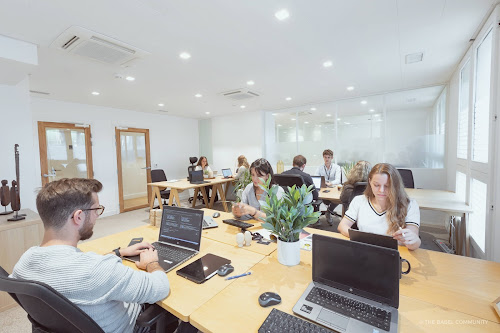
{"points": [[108, 291]]}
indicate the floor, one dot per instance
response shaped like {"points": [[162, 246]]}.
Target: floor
{"points": [[14, 320]]}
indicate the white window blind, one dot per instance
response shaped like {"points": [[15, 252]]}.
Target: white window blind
{"points": [[463, 111], [461, 185], [478, 195], [482, 101]]}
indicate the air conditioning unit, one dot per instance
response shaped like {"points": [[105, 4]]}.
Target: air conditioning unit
{"points": [[90, 44], [240, 94]]}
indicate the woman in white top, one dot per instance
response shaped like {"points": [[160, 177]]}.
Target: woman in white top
{"points": [[203, 165], [329, 170], [260, 169], [242, 166], [385, 208]]}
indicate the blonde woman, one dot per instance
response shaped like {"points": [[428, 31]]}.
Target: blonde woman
{"points": [[385, 208], [359, 173], [242, 166]]}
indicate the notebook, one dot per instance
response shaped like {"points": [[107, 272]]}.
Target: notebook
{"points": [[373, 239], [179, 238], [197, 177], [355, 287], [227, 173], [319, 181]]}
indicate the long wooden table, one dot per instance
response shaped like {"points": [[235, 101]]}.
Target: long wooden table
{"points": [[184, 184], [437, 200]]}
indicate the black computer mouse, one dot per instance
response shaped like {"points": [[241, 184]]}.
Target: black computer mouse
{"points": [[225, 270], [216, 215], [269, 298]]}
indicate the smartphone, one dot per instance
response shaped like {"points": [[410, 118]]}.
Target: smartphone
{"points": [[135, 241], [326, 191]]}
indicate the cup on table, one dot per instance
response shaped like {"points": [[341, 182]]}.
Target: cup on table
{"points": [[339, 187]]}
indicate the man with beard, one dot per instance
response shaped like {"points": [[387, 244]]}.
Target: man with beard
{"points": [[108, 291]]}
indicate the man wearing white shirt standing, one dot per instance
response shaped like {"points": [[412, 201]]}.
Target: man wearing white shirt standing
{"points": [[333, 175]]}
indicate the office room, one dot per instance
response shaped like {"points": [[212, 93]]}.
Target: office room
{"points": [[110, 90]]}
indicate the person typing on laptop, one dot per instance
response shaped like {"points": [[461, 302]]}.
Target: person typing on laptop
{"points": [[385, 208], [108, 291]]}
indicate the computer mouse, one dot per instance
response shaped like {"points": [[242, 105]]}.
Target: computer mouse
{"points": [[269, 298], [225, 270], [216, 215]]}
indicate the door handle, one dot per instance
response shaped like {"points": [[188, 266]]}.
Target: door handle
{"points": [[50, 175]]}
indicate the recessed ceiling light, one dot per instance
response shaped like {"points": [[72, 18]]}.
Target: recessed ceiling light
{"points": [[282, 14], [345, 122], [306, 122], [250, 83], [198, 95], [288, 98], [350, 88], [161, 104], [377, 115], [328, 115], [184, 55], [242, 106], [130, 78], [313, 109], [207, 112], [371, 110], [338, 119], [327, 64], [279, 125], [274, 114], [364, 102], [96, 93], [293, 118]]}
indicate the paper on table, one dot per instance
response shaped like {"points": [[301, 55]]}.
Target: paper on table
{"points": [[306, 243]]}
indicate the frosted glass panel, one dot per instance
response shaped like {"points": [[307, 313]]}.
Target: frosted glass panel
{"points": [[134, 176], [285, 137], [478, 217], [66, 153], [463, 111], [461, 185]]}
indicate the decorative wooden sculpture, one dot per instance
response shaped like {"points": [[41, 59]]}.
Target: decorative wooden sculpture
{"points": [[5, 197], [15, 198]]}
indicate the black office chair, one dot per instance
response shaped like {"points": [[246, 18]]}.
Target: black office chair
{"points": [[49, 311], [158, 175], [191, 168], [407, 177], [286, 180], [359, 188]]}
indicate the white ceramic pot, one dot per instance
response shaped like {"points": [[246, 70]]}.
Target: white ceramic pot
{"points": [[289, 253]]}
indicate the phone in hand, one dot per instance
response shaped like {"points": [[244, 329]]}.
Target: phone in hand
{"points": [[135, 241]]}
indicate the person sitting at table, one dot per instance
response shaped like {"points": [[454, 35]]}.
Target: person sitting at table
{"points": [[358, 173], [242, 167], [333, 175], [260, 170], [111, 293], [203, 166], [299, 164], [385, 208]]}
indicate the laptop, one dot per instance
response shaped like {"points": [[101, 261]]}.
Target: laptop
{"points": [[373, 239], [319, 181], [355, 287], [179, 238], [227, 173], [208, 222], [197, 177]]}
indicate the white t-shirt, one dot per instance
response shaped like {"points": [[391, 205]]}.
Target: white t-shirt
{"points": [[362, 212]]}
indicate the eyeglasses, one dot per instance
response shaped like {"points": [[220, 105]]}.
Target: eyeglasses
{"points": [[99, 210]]}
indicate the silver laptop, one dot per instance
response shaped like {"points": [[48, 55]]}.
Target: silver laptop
{"points": [[319, 181], [355, 287], [208, 222], [226, 173], [179, 238]]}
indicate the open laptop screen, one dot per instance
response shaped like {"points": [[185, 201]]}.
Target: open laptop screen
{"points": [[181, 226], [361, 269], [316, 181], [227, 173]]}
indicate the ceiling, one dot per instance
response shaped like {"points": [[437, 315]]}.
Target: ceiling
{"points": [[232, 42]]}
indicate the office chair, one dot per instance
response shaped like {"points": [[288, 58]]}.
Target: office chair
{"points": [[359, 188], [49, 311], [158, 175], [407, 177], [192, 167], [286, 180]]}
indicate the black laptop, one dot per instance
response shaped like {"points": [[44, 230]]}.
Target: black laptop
{"points": [[373, 239], [355, 287], [179, 238], [197, 177]]}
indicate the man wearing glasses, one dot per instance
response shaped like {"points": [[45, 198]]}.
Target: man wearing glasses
{"points": [[108, 291]]}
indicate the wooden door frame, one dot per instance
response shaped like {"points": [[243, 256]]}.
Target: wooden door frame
{"points": [[42, 144], [119, 165]]}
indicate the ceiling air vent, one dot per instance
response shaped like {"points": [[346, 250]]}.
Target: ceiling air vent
{"points": [[39, 92], [240, 94], [89, 44]]}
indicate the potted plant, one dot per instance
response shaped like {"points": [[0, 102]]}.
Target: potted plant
{"points": [[286, 217], [346, 168], [241, 183], [205, 173]]}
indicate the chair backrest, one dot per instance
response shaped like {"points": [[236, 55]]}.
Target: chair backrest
{"points": [[359, 188], [158, 175], [407, 176], [285, 180], [190, 169], [46, 307]]}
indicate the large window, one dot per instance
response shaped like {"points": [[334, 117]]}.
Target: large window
{"points": [[463, 111], [478, 197]]}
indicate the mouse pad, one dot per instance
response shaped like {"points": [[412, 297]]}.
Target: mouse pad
{"points": [[203, 269]]}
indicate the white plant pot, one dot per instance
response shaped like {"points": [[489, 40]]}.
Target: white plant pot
{"points": [[289, 253]]}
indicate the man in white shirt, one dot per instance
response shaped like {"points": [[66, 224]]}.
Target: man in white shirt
{"points": [[333, 175]]}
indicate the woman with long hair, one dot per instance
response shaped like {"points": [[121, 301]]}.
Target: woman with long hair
{"points": [[385, 208], [260, 170], [242, 166], [359, 173]]}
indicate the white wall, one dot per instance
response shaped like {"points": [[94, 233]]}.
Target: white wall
{"points": [[16, 127], [235, 135], [172, 140]]}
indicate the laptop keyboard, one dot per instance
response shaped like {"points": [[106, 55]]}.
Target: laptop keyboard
{"points": [[171, 252], [278, 322], [237, 223], [351, 308]]}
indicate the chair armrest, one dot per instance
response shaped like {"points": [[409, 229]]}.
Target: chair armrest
{"points": [[317, 202], [152, 314]]}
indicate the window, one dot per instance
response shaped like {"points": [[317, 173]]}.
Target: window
{"points": [[461, 185], [478, 196], [482, 101], [463, 111]]}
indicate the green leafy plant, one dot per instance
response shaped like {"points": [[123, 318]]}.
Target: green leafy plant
{"points": [[241, 183], [286, 217], [347, 167]]}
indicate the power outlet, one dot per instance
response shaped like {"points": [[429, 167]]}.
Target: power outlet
{"points": [[155, 165]]}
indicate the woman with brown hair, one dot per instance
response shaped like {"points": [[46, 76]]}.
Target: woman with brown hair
{"points": [[358, 173], [385, 208], [242, 166]]}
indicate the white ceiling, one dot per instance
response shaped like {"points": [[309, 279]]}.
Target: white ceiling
{"points": [[232, 42]]}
